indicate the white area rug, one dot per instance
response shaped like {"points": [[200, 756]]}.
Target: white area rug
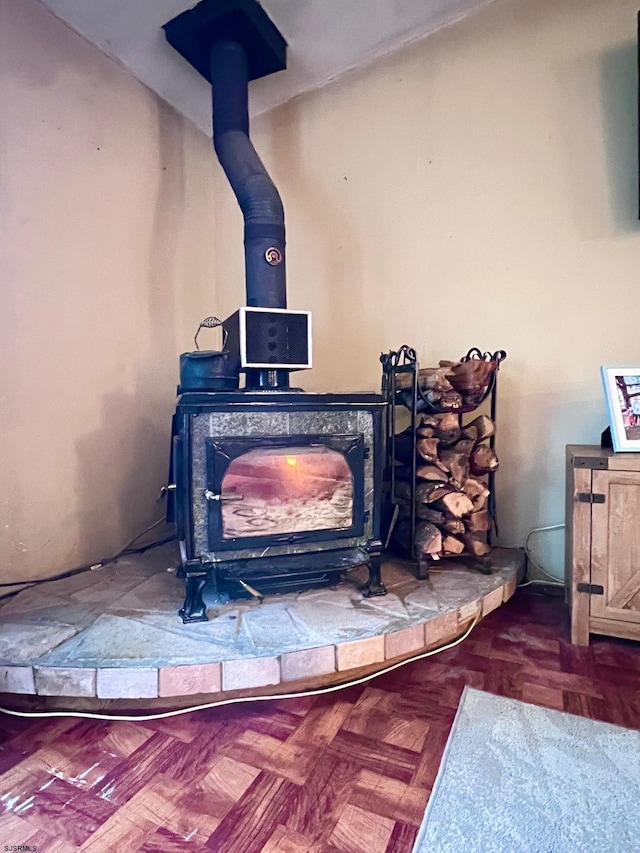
{"points": [[516, 778]]}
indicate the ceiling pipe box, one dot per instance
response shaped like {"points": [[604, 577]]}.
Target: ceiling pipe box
{"points": [[193, 33]]}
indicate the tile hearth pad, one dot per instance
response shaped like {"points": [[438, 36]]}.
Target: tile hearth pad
{"points": [[115, 632]]}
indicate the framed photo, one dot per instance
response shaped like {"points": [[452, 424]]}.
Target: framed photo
{"points": [[622, 393]]}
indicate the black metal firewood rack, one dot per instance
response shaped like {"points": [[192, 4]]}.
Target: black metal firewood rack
{"points": [[415, 401]]}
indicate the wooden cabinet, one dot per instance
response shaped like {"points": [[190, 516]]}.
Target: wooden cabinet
{"points": [[603, 542]]}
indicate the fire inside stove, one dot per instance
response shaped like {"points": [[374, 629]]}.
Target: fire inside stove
{"points": [[287, 490]]}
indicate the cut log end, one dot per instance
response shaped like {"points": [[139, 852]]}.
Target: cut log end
{"points": [[478, 522], [456, 504], [452, 545], [483, 460], [456, 462], [483, 427], [476, 546], [427, 449], [477, 492]]}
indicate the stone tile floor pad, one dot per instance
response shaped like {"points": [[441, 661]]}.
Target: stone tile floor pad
{"points": [[126, 616]]}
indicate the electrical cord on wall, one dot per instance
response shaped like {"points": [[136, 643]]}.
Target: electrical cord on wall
{"points": [[552, 579], [125, 551], [537, 582], [161, 715]]}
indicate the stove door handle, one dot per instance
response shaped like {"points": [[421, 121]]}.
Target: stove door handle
{"points": [[217, 496]]}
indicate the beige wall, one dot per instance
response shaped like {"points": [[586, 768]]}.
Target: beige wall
{"points": [[106, 266], [477, 189]]}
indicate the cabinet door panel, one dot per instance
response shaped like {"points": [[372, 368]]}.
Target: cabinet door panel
{"points": [[615, 545]]}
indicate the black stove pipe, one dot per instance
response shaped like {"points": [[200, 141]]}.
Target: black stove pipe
{"points": [[259, 200]]}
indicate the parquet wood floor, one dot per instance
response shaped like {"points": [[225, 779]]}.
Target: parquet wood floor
{"points": [[350, 771]]}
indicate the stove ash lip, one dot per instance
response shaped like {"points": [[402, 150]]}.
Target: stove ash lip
{"points": [[273, 399]]}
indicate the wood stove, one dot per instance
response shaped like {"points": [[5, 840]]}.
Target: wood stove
{"points": [[272, 489], [275, 492]]}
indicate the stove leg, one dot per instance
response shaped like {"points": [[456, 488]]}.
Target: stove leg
{"points": [[423, 568], [194, 609], [483, 565], [374, 585]]}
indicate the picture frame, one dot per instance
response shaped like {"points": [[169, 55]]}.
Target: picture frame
{"points": [[622, 395]]}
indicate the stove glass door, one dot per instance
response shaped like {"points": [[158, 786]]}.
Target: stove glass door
{"points": [[270, 491], [284, 490]]}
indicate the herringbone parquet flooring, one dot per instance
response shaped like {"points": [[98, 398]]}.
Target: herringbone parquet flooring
{"points": [[349, 772]]}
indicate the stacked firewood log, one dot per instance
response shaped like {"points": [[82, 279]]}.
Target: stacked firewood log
{"points": [[451, 492], [454, 384]]}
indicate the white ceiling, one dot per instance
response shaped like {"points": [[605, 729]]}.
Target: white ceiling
{"points": [[326, 38]]}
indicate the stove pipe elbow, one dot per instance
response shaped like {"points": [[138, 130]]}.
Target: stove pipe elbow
{"points": [[259, 200]]}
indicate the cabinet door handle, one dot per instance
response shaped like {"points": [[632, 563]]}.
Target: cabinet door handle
{"points": [[590, 588], [591, 498]]}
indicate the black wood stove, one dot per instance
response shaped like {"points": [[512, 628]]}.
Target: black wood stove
{"points": [[272, 489], [275, 492]]}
